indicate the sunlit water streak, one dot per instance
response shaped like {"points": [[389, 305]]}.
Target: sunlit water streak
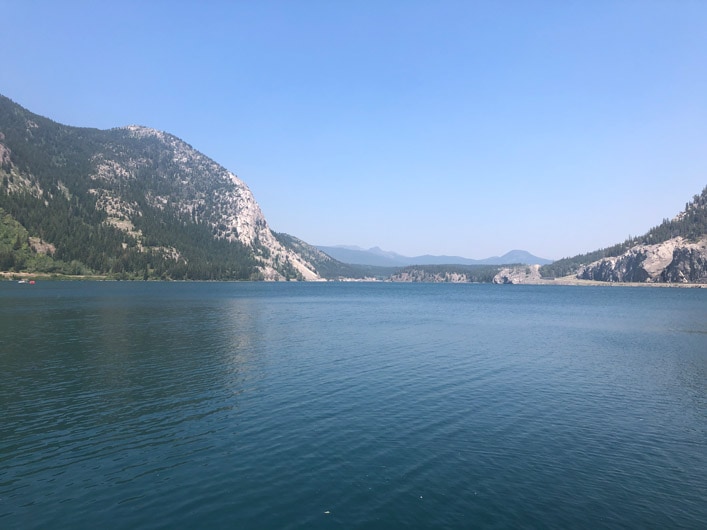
{"points": [[162, 405]]}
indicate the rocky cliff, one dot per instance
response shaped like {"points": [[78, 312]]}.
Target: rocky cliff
{"points": [[673, 261], [518, 275]]}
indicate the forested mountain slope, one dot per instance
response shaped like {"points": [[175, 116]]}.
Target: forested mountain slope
{"points": [[130, 202]]}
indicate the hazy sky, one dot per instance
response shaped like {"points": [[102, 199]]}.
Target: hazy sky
{"points": [[442, 127]]}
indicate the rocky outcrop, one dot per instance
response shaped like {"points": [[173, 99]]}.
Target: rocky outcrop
{"points": [[689, 265], [518, 275], [674, 261], [445, 274], [424, 276]]}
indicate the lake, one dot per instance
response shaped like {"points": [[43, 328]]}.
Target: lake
{"points": [[358, 405]]}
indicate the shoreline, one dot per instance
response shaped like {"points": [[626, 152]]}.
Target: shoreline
{"points": [[563, 281], [571, 280], [15, 276]]}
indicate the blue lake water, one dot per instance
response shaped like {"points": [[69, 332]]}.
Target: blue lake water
{"points": [[253, 405]]}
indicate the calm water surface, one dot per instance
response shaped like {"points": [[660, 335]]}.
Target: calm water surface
{"points": [[250, 405]]}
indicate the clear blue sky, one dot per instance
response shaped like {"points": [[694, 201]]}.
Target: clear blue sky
{"points": [[442, 127]]}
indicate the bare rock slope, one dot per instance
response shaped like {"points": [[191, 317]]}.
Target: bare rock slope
{"points": [[673, 261]]}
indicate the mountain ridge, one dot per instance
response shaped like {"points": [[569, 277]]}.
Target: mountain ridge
{"points": [[376, 256]]}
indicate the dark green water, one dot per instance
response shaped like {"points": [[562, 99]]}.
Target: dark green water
{"points": [[180, 405]]}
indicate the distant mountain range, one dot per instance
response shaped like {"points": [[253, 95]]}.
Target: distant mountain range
{"points": [[382, 258]]}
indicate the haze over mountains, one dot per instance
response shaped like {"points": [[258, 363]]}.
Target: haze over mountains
{"points": [[382, 258]]}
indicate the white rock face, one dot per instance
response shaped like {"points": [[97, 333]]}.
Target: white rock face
{"points": [[659, 256], [518, 275], [674, 260]]}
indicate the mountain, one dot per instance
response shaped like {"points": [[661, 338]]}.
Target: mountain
{"points": [[128, 202], [358, 256], [517, 256], [379, 257], [329, 267], [673, 252]]}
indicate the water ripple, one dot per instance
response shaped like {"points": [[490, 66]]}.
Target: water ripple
{"points": [[301, 406]]}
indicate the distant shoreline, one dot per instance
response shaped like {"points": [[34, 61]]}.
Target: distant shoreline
{"points": [[565, 280]]}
